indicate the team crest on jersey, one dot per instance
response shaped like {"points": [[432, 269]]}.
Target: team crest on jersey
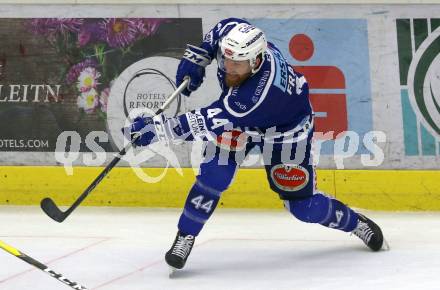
{"points": [[289, 177]]}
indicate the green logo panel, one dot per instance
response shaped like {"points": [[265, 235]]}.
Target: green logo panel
{"points": [[419, 68]]}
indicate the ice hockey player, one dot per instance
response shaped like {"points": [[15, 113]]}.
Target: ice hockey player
{"points": [[264, 103]]}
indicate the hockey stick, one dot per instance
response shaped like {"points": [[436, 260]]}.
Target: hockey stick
{"points": [[54, 212], [42, 267]]}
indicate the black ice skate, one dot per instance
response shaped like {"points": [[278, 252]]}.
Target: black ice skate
{"points": [[370, 233], [180, 250]]}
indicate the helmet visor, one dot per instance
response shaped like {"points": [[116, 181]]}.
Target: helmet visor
{"points": [[233, 67]]}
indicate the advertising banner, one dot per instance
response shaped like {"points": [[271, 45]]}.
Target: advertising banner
{"points": [[339, 78], [70, 84], [56, 76], [419, 63]]}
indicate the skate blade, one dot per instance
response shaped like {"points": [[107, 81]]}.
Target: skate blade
{"points": [[385, 246], [172, 272]]}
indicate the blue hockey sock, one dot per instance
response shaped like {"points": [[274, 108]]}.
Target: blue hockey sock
{"points": [[324, 210], [199, 205]]}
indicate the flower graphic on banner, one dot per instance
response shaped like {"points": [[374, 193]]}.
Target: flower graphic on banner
{"points": [[119, 32], [95, 51], [52, 27], [88, 101], [103, 99], [88, 79], [75, 70]]}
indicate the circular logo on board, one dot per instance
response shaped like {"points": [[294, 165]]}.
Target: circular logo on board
{"points": [[424, 83], [141, 90]]}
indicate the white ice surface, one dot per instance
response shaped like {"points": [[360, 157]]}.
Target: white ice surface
{"points": [[123, 248]]}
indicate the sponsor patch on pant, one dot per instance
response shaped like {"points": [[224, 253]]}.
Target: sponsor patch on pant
{"points": [[289, 177]]}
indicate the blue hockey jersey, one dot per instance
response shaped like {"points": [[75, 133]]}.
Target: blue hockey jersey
{"points": [[273, 99]]}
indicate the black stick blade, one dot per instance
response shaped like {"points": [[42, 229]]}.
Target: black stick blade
{"points": [[52, 210]]}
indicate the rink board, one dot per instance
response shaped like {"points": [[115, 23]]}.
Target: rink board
{"points": [[369, 189]]}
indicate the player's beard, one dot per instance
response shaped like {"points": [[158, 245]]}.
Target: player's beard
{"points": [[233, 80]]}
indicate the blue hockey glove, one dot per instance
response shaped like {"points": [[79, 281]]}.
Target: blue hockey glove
{"points": [[149, 133], [192, 65]]}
